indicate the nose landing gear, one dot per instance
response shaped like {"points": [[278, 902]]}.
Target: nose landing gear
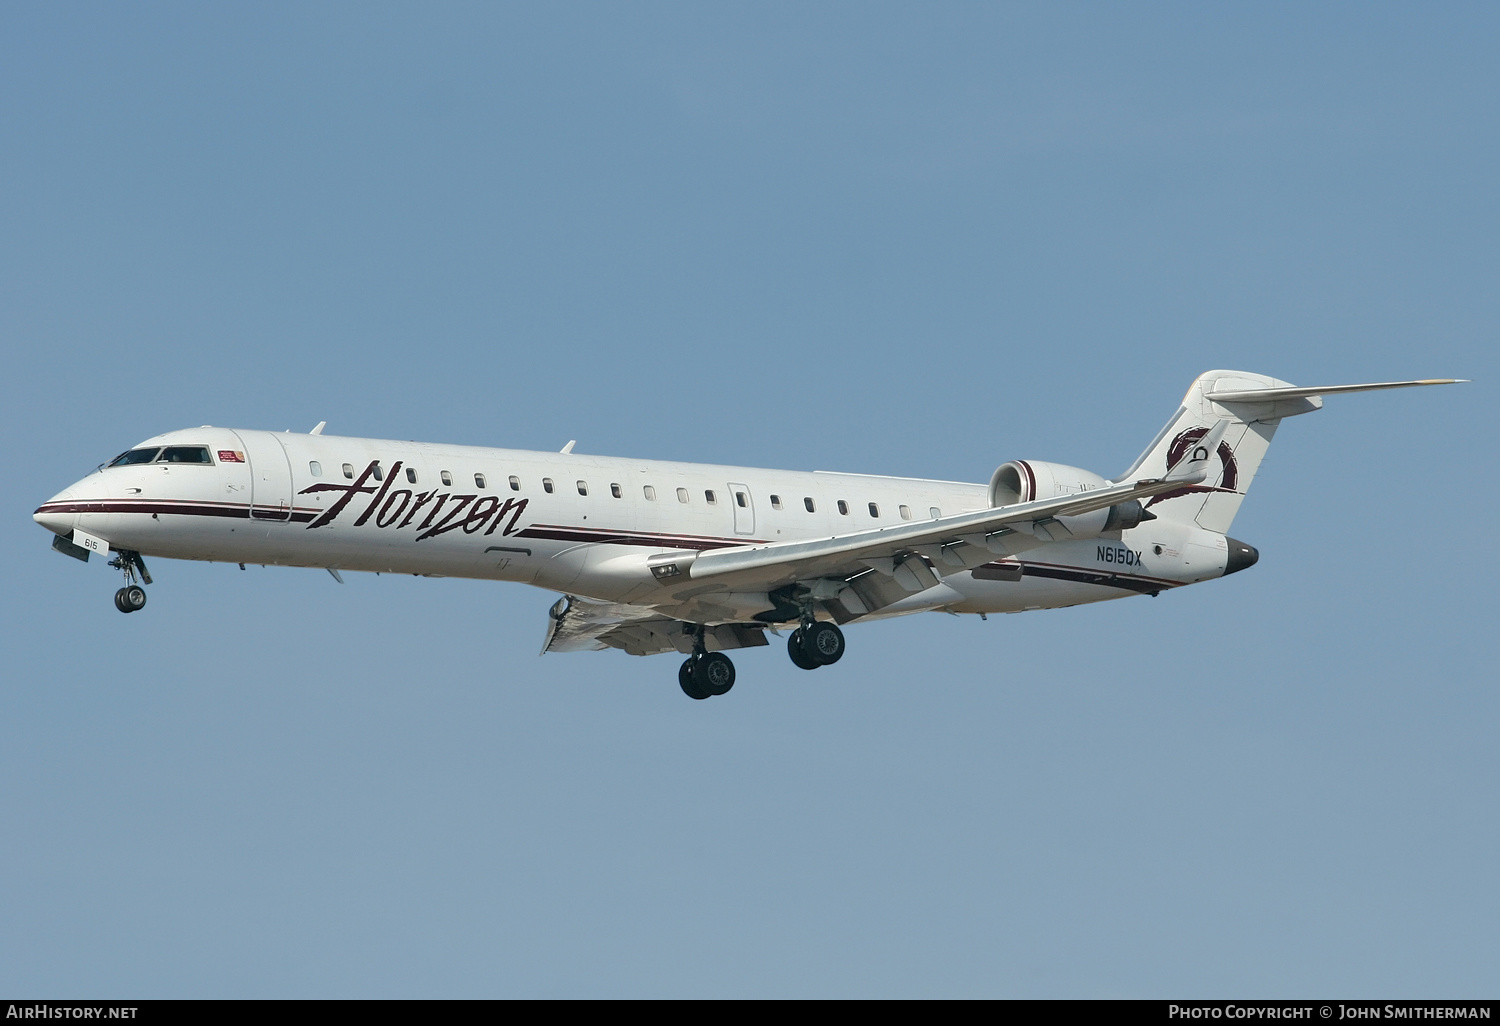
{"points": [[131, 597]]}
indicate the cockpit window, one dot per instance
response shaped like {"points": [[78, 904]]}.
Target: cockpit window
{"points": [[185, 454], [134, 456]]}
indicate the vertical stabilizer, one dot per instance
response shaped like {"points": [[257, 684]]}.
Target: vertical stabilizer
{"points": [[1212, 503]]}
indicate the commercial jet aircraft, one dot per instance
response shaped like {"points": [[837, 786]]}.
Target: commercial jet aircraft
{"points": [[695, 558]]}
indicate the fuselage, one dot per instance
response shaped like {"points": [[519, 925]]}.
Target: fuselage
{"points": [[582, 524]]}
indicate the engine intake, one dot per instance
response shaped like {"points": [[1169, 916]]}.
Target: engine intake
{"points": [[1028, 480], [1022, 481]]}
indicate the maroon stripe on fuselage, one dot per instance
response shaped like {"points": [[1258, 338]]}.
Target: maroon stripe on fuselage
{"points": [[1077, 575], [192, 509]]}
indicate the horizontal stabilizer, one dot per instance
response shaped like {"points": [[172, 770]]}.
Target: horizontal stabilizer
{"points": [[1271, 395]]}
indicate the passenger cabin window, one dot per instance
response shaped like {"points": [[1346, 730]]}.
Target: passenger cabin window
{"points": [[712, 500], [479, 481], [447, 478], [515, 483], [583, 487], [650, 493], [379, 474], [843, 508], [740, 500], [547, 485], [807, 501], [682, 495], [935, 512], [874, 510], [134, 456], [315, 468], [411, 475], [905, 512], [184, 454], [614, 489], [349, 471], [775, 502]]}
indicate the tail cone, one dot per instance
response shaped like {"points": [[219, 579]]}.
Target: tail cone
{"points": [[1241, 556]]}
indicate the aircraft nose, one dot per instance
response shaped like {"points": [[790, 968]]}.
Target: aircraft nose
{"points": [[1241, 557], [53, 514]]}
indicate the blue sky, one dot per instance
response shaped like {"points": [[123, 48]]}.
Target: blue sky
{"points": [[865, 237]]}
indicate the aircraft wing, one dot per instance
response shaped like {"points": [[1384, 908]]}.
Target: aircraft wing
{"points": [[961, 541], [581, 625]]}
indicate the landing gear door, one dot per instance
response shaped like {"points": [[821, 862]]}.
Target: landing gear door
{"points": [[270, 476], [744, 508]]}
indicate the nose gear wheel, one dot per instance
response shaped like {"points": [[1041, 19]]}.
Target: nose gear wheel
{"points": [[130, 598]]}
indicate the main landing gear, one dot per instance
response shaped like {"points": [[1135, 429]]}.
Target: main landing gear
{"points": [[816, 643], [131, 597], [705, 674]]}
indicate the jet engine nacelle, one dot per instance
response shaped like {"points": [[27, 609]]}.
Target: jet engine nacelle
{"points": [[1028, 480]]}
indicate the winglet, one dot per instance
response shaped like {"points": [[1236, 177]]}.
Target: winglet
{"points": [[1193, 465], [569, 447], [319, 429]]}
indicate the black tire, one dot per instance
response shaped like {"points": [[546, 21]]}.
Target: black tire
{"points": [[685, 680], [795, 650], [715, 673], [135, 597], [823, 642], [120, 601]]}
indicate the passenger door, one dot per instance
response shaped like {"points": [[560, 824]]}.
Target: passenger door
{"points": [[744, 508], [270, 476]]}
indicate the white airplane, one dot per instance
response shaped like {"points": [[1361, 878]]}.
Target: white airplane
{"points": [[695, 558]]}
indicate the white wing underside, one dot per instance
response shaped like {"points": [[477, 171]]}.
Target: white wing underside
{"points": [[583, 625]]}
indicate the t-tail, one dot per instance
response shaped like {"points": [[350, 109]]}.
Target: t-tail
{"points": [[1252, 407]]}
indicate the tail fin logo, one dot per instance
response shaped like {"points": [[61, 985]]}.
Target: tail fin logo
{"points": [[1186, 439], [1179, 449]]}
